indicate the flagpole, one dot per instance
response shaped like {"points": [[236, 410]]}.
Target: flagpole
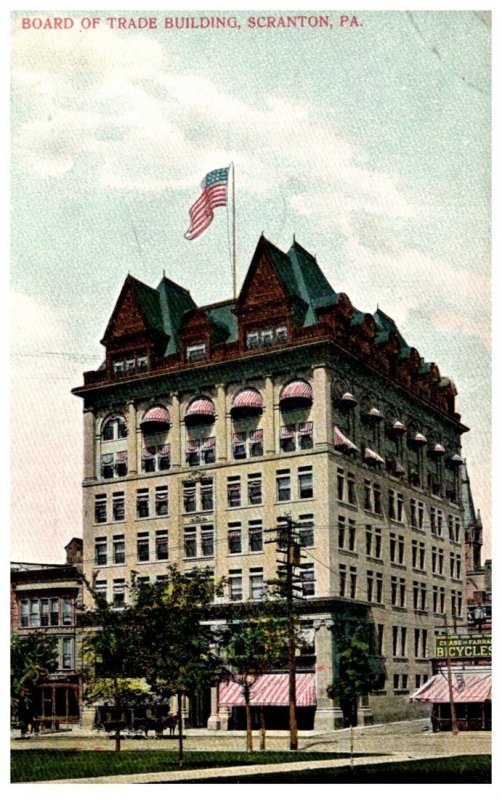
{"points": [[234, 261]]}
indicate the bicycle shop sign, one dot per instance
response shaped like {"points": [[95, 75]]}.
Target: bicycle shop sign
{"points": [[464, 645]]}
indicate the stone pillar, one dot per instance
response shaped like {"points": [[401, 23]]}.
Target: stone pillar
{"points": [[175, 433], [269, 418], [132, 440], [221, 423], [323, 407], [213, 723], [89, 445], [328, 714]]}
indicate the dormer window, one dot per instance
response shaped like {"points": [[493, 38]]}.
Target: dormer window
{"points": [[118, 367], [196, 352]]}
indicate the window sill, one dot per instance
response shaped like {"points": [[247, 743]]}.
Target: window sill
{"points": [[400, 659], [397, 565], [420, 570], [198, 558], [348, 552], [374, 559], [401, 691]]}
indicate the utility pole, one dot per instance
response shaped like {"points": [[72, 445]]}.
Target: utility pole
{"points": [[290, 547], [454, 723]]}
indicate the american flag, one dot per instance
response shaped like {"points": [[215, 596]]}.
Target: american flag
{"points": [[214, 194]]}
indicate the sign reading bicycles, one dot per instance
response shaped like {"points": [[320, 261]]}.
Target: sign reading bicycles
{"points": [[464, 645]]}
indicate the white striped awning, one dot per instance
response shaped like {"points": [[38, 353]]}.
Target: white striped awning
{"points": [[209, 444], [288, 431], [271, 690], [239, 437], [157, 417], [297, 390], [456, 459], [305, 427], [164, 449], [439, 450], [467, 687], [375, 414], [340, 440], [248, 399], [371, 455], [419, 438], [121, 456], [193, 445], [398, 427], [202, 407], [256, 436], [348, 398]]}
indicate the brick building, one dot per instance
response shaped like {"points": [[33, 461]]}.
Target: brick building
{"points": [[206, 424], [45, 599]]}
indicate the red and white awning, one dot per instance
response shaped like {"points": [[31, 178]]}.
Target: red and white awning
{"points": [[297, 391], [375, 414], [438, 450], [371, 455], [467, 687], [340, 440], [248, 400], [419, 439], [348, 399], [156, 417], [202, 407], [271, 690], [398, 427]]}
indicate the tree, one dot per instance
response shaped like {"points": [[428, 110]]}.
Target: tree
{"points": [[110, 660], [33, 658], [174, 648], [256, 643], [359, 672]]}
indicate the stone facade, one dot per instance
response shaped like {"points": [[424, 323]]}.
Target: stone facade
{"points": [[207, 424]]}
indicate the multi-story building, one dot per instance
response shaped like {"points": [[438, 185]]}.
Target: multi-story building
{"points": [[45, 599], [204, 425]]}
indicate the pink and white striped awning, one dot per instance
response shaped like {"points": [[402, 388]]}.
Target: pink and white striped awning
{"points": [[202, 407], [157, 416], [271, 690], [371, 455], [467, 687], [297, 390], [248, 399], [340, 440]]}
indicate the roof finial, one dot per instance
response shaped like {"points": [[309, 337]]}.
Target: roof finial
{"points": [[294, 238], [163, 273]]}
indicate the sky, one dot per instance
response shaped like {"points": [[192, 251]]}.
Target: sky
{"points": [[370, 143]]}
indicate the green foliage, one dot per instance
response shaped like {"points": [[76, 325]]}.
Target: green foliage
{"points": [[357, 672], [174, 649], [33, 657]]}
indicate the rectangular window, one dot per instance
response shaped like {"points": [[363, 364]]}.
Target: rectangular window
{"points": [[413, 513], [399, 641], [34, 614], [119, 549], [420, 643], [340, 484], [378, 587], [25, 613], [207, 540], [143, 545], [283, 483], [306, 530], [190, 542], [189, 499], [396, 549], [255, 497], [196, 352], [369, 586], [378, 543], [305, 483], [142, 503], [396, 506], [351, 490], [44, 613], [369, 539], [307, 577], [119, 592], [118, 503], [67, 611], [343, 580], [161, 501], [234, 537], [206, 494], [100, 551], [234, 492], [100, 508], [255, 536], [100, 590], [161, 546], [67, 660], [353, 582], [54, 611], [235, 584], [256, 585]]}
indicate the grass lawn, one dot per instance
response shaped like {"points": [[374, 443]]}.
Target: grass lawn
{"points": [[46, 765], [457, 769]]}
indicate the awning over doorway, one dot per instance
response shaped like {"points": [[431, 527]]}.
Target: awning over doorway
{"points": [[467, 687], [271, 690]]}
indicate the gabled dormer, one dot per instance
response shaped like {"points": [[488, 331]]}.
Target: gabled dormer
{"points": [[135, 339], [269, 306]]}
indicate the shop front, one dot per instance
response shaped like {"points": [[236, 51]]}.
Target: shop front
{"points": [[269, 702]]}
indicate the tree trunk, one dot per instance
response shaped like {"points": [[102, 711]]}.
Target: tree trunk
{"points": [[249, 724], [117, 738], [180, 729], [262, 729]]}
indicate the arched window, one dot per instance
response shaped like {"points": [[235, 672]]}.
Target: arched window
{"points": [[114, 427]]}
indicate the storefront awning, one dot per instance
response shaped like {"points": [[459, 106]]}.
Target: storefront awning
{"points": [[467, 687], [271, 690]]}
